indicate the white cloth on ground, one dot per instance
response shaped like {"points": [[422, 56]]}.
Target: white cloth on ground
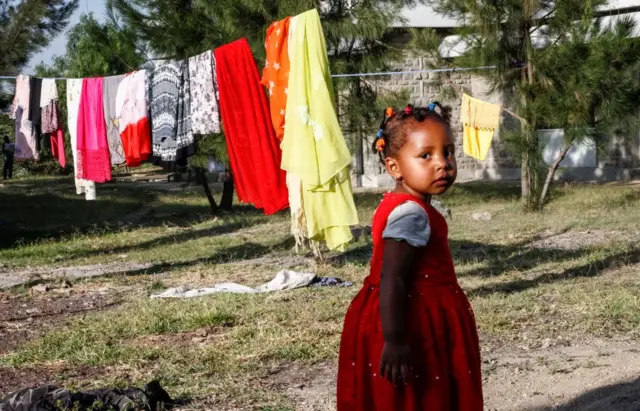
{"points": [[284, 280]]}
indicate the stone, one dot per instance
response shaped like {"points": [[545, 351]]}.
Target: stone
{"points": [[197, 340], [40, 288], [482, 216]]}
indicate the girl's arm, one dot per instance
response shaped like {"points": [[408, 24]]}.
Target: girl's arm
{"points": [[397, 260]]}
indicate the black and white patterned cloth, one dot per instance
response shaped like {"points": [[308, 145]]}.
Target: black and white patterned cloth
{"points": [[205, 114], [170, 101]]}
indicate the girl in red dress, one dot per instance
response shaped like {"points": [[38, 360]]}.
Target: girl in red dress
{"points": [[410, 340]]}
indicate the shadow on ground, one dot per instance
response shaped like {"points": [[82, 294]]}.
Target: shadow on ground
{"points": [[496, 260], [617, 397], [33, 210], [239, 253]]}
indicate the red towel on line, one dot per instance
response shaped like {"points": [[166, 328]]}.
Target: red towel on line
{"points": [[254, 150]]}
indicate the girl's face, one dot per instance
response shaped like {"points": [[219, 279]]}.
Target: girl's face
{"points": [[426, 163]]}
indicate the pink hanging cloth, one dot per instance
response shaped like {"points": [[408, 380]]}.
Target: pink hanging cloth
{"points": [[94, 160]]}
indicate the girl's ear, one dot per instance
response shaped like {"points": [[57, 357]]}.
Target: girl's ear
{"points": [[393, 168]]}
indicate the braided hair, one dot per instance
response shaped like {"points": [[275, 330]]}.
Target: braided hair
{"points": [[393, 128]]}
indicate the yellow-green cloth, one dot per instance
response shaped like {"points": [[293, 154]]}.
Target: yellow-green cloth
{"points": [[313, 147]]}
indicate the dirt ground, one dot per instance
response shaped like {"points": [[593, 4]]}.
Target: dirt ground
{"points": [[589, 376], [564, 374]]}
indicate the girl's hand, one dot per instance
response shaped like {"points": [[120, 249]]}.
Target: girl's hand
{"points": [[395, 363]]}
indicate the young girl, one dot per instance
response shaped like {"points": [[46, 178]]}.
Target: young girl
{"points": [[410, 339]]}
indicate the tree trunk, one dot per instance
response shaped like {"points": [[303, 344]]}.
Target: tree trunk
{"points": [[528, 132], [226, 203], [552, 171], [525, 183], [202, 176]]}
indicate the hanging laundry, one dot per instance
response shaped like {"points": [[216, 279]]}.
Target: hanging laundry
{"points": [[50, 120], [185, 125], [131, 111], [294, 185], [35, 115], [253, 148], [110, 90], [170, 110], [480, 120], [275, 75], [205, 115], [74, 93], [26, 146], [94, 160], [314, 148]]}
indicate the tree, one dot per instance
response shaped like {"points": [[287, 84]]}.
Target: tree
{"points": [[95, 49], [524, 40], [26, 27], [604, 92], [359, 35]]}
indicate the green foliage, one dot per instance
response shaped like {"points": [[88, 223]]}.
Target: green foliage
{"points": [[359, 38], [557, 65], [26, 27]]}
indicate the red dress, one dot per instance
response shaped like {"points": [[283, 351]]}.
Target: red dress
{"points": [[441, 332]]}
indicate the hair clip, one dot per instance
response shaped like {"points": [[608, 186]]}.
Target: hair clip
{"points": [[432, 106], [389, 112], [408, 109], [379, 133], [380, 144]]}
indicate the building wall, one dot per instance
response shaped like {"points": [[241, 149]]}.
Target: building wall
{"points": [[616, 161]]}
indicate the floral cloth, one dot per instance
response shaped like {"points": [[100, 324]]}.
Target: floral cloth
{"points": [[51, 124], [205, 115]]}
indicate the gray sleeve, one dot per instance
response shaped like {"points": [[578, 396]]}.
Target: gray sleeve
{"points": [[408, 222]]}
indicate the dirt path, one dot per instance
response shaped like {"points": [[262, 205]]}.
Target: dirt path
{"points": [[595, 375], [13, 278]]}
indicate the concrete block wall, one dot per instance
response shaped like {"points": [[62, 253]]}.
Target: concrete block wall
{"points": [[615, 162]]}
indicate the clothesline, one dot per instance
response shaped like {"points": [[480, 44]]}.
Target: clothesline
{"points": [[383, 73]]}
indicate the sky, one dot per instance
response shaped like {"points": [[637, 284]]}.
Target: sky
{"points": [[58, 45]]}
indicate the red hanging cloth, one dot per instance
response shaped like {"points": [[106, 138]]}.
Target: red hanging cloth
{"points": [[254, 151]]}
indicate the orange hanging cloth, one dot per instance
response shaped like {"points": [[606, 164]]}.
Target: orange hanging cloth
{"points": [[275, 75]]}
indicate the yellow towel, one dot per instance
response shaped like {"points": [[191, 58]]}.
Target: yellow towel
{"points": [[480, 120], [313, 147]]}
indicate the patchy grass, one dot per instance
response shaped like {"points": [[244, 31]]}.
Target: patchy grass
{"points": [[524, 283]]}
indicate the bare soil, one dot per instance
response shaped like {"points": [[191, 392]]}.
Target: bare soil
{"points": [[23, 317], [589, 376]]}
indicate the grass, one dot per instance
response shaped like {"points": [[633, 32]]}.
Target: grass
{"points": [[581, 286]]}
